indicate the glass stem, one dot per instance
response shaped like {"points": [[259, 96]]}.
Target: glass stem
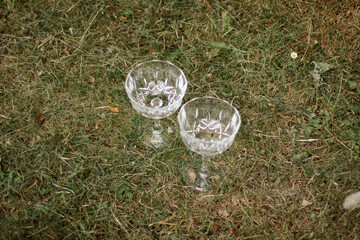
{"points": [[157, 125], [156, 139], [201, 182]]}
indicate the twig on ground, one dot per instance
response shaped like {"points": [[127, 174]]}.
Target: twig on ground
{"points": [[118, 222], [48, 39], [137, 151], [163, 223], [4, 116]]}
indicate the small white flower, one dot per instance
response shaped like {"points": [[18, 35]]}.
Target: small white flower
{"points": [[293, 55]]}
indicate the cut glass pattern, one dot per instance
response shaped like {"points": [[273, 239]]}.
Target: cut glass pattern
{"points": [[156, 88], [208, 125]]}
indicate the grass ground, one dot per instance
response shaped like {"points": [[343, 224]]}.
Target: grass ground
{"points": [[70, 168]]}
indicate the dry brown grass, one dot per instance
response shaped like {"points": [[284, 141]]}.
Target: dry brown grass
{"points": [[71, 168]]}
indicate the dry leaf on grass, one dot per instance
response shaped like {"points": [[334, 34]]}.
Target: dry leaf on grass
{"points": [[209, 77], [39, 118], [319, 68], [272, 105], [192, 175], [306, 203], [113, 109], [223, 213], [234, 200], [91, 80], [283, 116]]}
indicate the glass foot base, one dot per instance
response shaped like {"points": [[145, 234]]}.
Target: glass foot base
{"points": [[157, 140], [160, 136], [201, 182], [200, 189], [201, 175]]}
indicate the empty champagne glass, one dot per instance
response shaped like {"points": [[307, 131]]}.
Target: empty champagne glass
{"points": [[156, 89], [208, 126]]}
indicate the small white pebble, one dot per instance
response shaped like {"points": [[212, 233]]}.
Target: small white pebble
{"points": [[352, 201]]}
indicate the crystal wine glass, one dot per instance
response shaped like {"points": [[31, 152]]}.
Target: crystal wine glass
{"points": [[156, 89], [208, 126]]}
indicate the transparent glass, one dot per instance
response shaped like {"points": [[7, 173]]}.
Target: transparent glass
{"points": [[156, 89], [208, 127]]}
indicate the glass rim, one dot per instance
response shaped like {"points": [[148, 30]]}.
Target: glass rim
{"points": [[218, 99]]}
